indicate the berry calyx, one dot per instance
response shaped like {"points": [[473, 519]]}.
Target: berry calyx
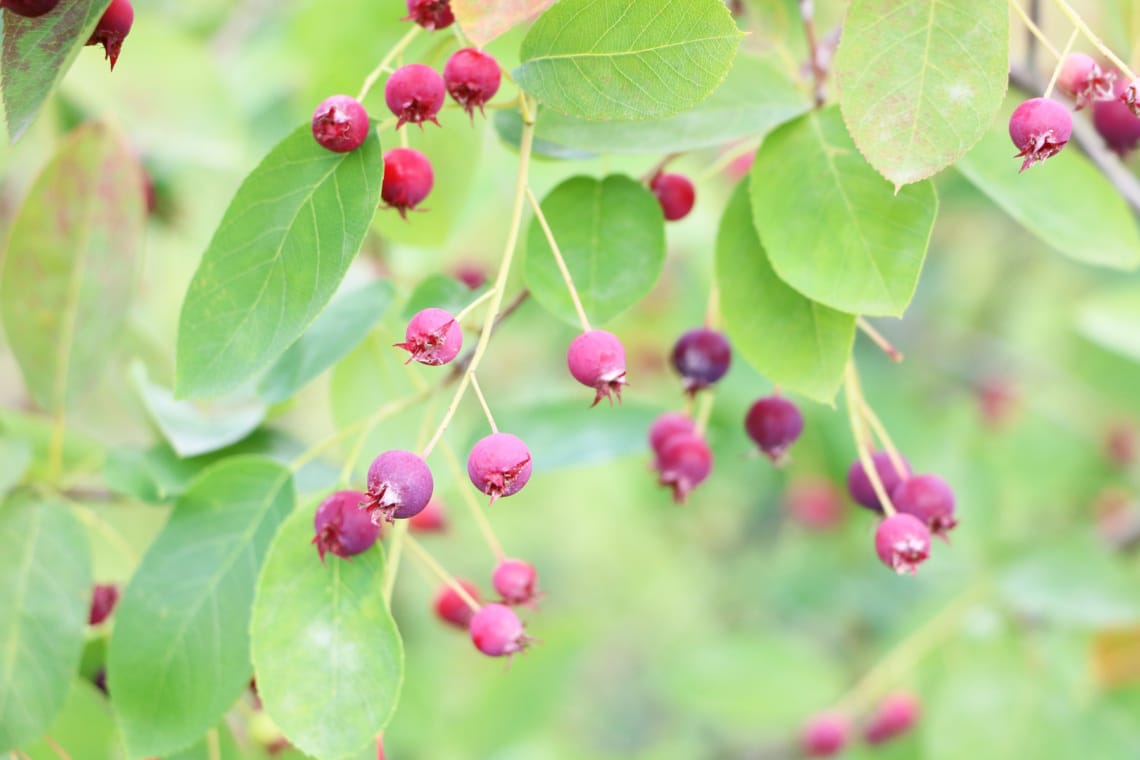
{"points": [[903, 543], [859, 485], [113, 27], [774, 423], [415, 94], [1116, 123], [472, 78], [433, 338], [408, 178], [1083, 80], [896, 715], [668, 425], [1039, 128], [515, 580], [597, 360], [451, 608], [430, 14], [930, 499], [104, 597], [675, 193], [499, 465], [343, 528], [1131, 96], [825, 735], [683, 464], [497, 631], [399, 486], [701, 356], [29, 8], [431, 519], [340, 124]]}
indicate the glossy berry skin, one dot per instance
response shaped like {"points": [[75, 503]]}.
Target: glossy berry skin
{"points": [[597, 360], [930, 499], [430, 520], [825, 735], [113, 27], [1083, 80], [896, 715], [499, 465], [433, 337], [399, 486], [415, 94], [496, 631], [408, 178], [675, 193], [515, 580], [668, 425], [774, 423], [472, 78], [1039, 128], [340, 124], [859, 485], [29, 8], [104, 597], [683, 464], [814, 503], [342, 527], [430, 14], [1116, 123], [701, 356], [903, 543], [451, 608]]}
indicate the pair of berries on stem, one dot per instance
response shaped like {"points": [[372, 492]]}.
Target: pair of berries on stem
{"points": [[828, 734], [495, 629]]}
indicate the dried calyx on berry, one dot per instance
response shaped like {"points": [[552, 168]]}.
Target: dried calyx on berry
{"points": [[113, 27], [399, 486], [433, 337], [1082, 79], [496, 631], [414, 93], [1039, 128], [903, 543], [701, 357], [499, 465], [515, 581], [430, 14], [472, 77], [930, 499], [342, 526], [340, 124], [1116, 123], [596, 359]]}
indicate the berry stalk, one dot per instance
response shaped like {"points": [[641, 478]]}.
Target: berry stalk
{"points": [[1035, 30], [392, 560], [807, 14], [62, 753], [880, 431], [1080, 24], [483, 403], [472, 505], [437, 570], [1060, 63], [561, 262], [376, 73], [862, 444], [474, 305], [877, 338]]}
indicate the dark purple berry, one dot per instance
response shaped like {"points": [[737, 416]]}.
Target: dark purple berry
{"points": [[930, 499], [499, 465], [433, 337], [497, 631], [903, 543], [453, 609], [408, 179], [683, 464], [825, 735], [1039, 128], [515, 581], [701, 356], [774, 423], [415, 94], [430, 14], [675, 193], [113, 27], [399, 486], [104, 597], [29, 8], [1116, 123], [472, 78], [896, 715], [668, 425], [430, 520], [859, 485], [343, 528], [597, 360], [340, 124]]}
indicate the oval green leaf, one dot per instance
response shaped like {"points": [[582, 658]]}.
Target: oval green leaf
{"points": [[920, 80], [45, 564], [179, 653], [276, 259], [863, 248], [627, 59], [611, 232], [795, 342]]}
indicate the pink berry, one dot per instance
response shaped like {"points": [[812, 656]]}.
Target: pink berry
{"points": [[470, 274], [668, 425], [399, 486], [930, 499], [597, 360], [453, 609], [701, 356], [29, 8], [1116, 123], [343, 528], [340, 124], [902, 542], [1083, 80], [104, 597], [433, 337], [430, 520], [497, 631], [430, 14], [499, 465], [859, 485], [414, 93], [896, 715], [825, 735], [814, 503], [683, 464], [113, 27], [472, 78], [1039, 128], [408, 179], [675, 193], [774, 423], [514, 580]]}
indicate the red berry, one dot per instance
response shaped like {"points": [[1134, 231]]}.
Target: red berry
{"points": [[859, 485], [1083, 80], [343, 528], [497, 631], [668, 425], [103, 600], [930, 499], [433, 337], [408, 179], [1039, 128], [430, 14], [430, 520], [896, 715], [499, 465], [774, 423], [903, 543], [399, 486], [1116, 123], [701, 356], [29, 8], [514, 580], [824, 735], [814, 503], [683, 464], [597, 360], [340, 124], [472, 78], [1121, 444], [113, 27], [675, 193], [414, 93], [452, 608], [470, 274]]}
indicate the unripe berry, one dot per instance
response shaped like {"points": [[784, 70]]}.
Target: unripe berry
{"points": [[415, 94], [29, 8], [668, 425], [430, 14], [825, 735], [701, 356], [902, 542], [451, 608], [597, 360], [433, 337], [515, 580], [408, 179], [399, 486], [675, 193], [774, 423], [342, 526], [859, 485], [103, 600], [340, 123], [683, 464], [497, 631], [1116, 123], [930, 499], [1083, 80], [896, 715], [472, 78], [1039, 128], [430, 520], [499, 465], [814, 503], [113, 27]]}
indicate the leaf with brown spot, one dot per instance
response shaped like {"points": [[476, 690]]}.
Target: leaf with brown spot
{"points": [[484, 20]]}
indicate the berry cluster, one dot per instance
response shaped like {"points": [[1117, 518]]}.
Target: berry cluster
{"points": [[110, 31], [828, 734]]}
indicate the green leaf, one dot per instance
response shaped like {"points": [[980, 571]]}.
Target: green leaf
{"points": [[795, 342], [328, 657], [920, 80], [179, 653], [37, 52], [45, 565], [441, 292], [627, 59], [276, 259], [561, 434], [1111, 319], [15, 459], [484, 20], [611, 233], [346, 322], [863, 249], [1066, 201], [84, 729], [67, 277]]}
